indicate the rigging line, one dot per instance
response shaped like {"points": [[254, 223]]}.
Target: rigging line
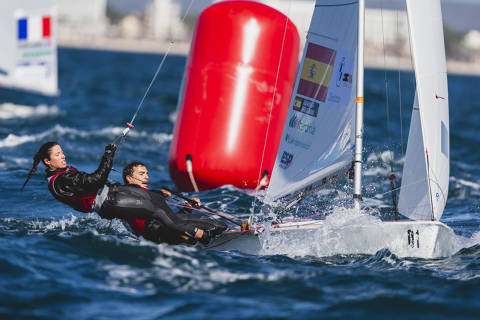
{"points": [[172, 42], [121, 138], [272, 105], [387, 106], [204, 211], [304, 193], [411, 58], [223, 215], [402, 187], [400, 94]]}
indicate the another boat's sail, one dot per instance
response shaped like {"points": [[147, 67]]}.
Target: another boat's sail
{"points": [[426, 173], [318, 135], [28, 59]]}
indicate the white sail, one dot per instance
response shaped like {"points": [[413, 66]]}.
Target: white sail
{"points": [[432, 126], [318, 135], [28, 59], [414, 200]]}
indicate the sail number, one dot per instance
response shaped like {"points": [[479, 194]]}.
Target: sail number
{"points": [[413, 238]]}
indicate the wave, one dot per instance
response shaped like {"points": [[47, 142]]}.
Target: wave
{"points": [[172, 117], [185, 269], [57, 131], [7, 162], [465, 183], [15, 111], [346, 231], [378, 163]]}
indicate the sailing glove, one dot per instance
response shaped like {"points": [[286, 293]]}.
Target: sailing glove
{"points": [[110, 149]]}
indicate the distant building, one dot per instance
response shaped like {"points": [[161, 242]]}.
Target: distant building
{"points": [[163, 21], [82, 19], [131, 27], [472, 40]]}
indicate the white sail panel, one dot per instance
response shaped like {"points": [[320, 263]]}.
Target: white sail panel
{"points": [[426, 32], [28, 59], [317, 138], [414, 201]]}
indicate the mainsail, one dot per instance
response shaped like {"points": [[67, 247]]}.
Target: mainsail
{"points": [[426, 172], [28, 59], [318, 136]]}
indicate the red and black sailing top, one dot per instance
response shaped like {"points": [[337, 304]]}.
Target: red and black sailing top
{"points": [[78, 189]]}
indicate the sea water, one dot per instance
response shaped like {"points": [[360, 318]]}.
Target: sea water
{"points": [[59, 264]]}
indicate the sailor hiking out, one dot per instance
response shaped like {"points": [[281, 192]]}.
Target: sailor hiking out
{"points": [[166, 226], [88, 192]]}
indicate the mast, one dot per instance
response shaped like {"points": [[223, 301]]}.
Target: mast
{"points": [[357, 196]]}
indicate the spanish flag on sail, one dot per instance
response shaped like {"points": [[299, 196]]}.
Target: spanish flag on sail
{"points": [[317, 72]]}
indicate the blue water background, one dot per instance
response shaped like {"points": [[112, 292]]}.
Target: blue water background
{"points": [[59, 264]]}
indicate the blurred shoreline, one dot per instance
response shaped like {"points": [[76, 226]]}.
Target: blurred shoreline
{"points": [[373, 58]]}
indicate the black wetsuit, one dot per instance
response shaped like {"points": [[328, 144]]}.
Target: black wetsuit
{"points": [[78, 189], [162, 224], [129, 202]]}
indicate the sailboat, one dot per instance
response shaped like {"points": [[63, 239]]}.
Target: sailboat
{"points": [[28, 59], [322, 143]]}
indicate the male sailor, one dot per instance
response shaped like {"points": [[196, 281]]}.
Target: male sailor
{"points": [[164, 227], [87, 192]]}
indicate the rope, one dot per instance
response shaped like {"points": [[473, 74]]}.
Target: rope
{"points": [[120, 139], [387, 105], [387, 109], [188, 161], [272, 104], [400, 96], [399, 188], [203, 211]]}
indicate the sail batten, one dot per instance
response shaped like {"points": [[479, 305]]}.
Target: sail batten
{"points": [[318, 136]]}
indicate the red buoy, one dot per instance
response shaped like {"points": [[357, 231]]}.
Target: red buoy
{"points": [[237, 87]]}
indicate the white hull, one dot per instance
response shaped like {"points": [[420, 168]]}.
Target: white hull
{"points": [[423, 239]]}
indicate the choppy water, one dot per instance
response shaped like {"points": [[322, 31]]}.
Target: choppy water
{"points": [[55, 263]]}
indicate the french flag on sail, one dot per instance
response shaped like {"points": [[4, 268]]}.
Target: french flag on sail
{"points": [[34, 28]]}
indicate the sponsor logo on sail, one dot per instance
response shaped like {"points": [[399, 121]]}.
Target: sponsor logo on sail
{"points": [[286, 160], [306, 106], [301, 125], [343, 79], [291, 140]]}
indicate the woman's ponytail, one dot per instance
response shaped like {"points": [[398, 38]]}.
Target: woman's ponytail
{"points": [[42, 153]]}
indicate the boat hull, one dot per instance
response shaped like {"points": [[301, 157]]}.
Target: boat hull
{"points": [[423, 239]]}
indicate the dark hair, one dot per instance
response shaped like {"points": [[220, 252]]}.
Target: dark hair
{"points": [[42, 153], [128, 169]]}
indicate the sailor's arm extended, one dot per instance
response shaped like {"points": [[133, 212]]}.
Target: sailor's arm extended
{"points": [[74, 181]]}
